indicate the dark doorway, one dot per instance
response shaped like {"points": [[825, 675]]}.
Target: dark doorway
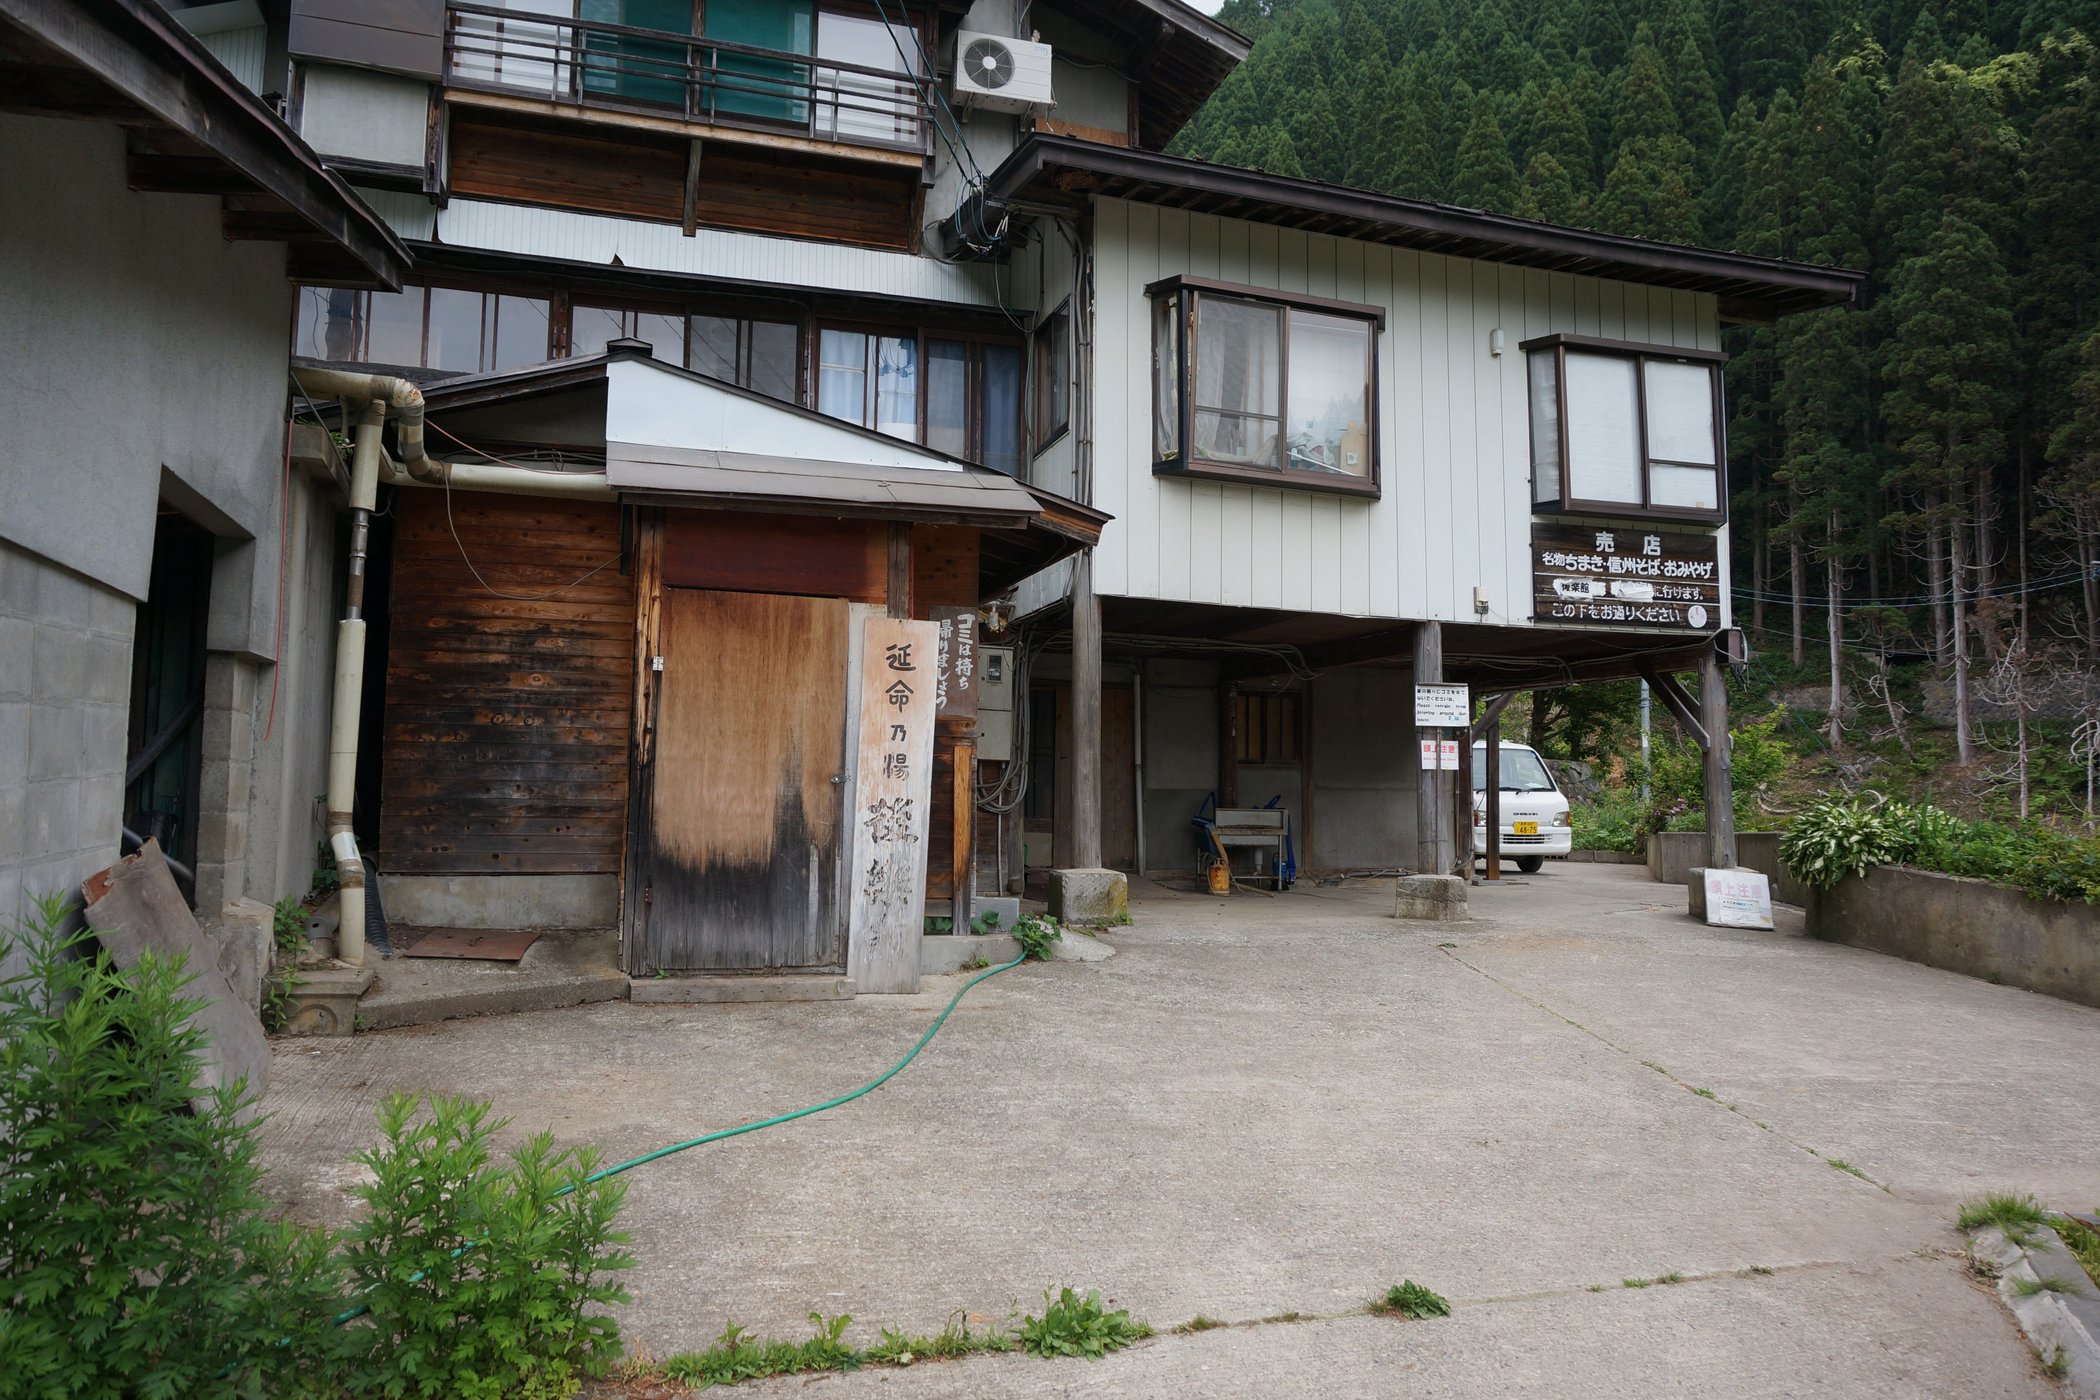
{"points": [[166, 753]]}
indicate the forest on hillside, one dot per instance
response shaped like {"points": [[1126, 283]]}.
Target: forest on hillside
{"points": [[1915, 481]]}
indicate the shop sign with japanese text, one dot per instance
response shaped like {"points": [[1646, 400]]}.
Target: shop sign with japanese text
{"points": [[955, 679], [893, 787], [1625, 576]]}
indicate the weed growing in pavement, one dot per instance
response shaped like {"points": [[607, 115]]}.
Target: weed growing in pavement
{"points": [[1285, 1317], [1596, 1288], [2015, 1214], [1200, 1323], [975, 964], [1762, 1269], [2050, 1283], [1650, 1064], [1706, 1093], [1035, 933], [1072, 1325], [953, 1341], [2058, 1366], [1637, 1282], [737, 1356], [1447, 945], [1844, 1166], [1411, 1300], [1671, 1277]]}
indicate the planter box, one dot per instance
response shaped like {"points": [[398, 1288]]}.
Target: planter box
{"points": [[1673, 855], [1967, 926]]}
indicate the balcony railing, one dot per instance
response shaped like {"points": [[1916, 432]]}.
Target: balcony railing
{"points": [[622, 68]]}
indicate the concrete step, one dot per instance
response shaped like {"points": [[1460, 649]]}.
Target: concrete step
{"points": [[567, 967], [731, 989]]}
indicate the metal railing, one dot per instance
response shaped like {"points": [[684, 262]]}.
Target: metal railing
{"points": [[623, 68]]}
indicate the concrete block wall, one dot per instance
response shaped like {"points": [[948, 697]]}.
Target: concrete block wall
{"points": [[65, 677]]}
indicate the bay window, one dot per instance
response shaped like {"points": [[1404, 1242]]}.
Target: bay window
{"points": [[1618, 428], [1263, 386]]}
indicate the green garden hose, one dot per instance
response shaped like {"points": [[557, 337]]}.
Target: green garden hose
{"points": [[631, 1163]]}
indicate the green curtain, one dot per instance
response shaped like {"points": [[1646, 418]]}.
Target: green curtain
{"points": [[633, 69]]}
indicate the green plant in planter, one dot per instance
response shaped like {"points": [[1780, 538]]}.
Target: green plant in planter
{"points": [[1836, 838]]}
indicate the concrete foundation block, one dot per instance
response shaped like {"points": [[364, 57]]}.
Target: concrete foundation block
{"points": [[954, 952], [245, 934], [1007, 907], [1089, 896], [1439, 899], [734, 989], [324, 1000]]}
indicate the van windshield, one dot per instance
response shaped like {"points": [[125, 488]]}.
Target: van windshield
{"points": [[1521, 771]]}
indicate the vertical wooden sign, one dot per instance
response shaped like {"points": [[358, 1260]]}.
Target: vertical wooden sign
{"points": [[956, 684], [892, 797]]}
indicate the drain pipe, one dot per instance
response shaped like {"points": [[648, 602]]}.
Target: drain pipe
{"points": [[404, 398], [366, 451]]}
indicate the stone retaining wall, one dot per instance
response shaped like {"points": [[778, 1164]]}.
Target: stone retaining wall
{"points": [[1673, 855], [1967, 926]]}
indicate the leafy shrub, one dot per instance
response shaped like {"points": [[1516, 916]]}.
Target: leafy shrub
{"points": [[478, 1279], [1758, 758], [1840, 837], [1076, 1326], [1613, 822], [1035, 933], [137, 1256]]}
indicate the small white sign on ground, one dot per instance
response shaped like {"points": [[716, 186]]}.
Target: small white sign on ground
{"points": [[1738, 898], [1439, 706]]}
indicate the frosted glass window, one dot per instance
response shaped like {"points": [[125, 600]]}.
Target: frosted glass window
{"points": [[897, 386], [1239, 382], [1545, 425], [1329, 427], [1166, 377], [1680, 412], [1684, 488], [455, 330], [842, 375], [393, 330], [948, 397], [1604, 430]]}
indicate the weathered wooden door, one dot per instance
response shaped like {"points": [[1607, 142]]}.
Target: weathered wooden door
{"points": [[745, 803]]}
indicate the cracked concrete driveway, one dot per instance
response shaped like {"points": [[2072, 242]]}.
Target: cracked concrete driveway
{"points": [[1281, 1106]]}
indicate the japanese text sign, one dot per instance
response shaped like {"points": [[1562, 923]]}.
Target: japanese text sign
{"points": [[892, 791]]}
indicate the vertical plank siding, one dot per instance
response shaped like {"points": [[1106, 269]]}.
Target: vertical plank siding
{"points": [[505, 738], [1454, 433]]}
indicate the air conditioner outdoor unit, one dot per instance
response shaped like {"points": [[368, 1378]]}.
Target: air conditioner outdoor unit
{"points": [[1000, 74]]}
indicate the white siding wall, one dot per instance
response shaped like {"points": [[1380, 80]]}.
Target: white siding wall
{"points": [[1454, 442], [242, 51]]}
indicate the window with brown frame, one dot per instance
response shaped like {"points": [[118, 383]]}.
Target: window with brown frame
{"points": [[446, 328], [1257, 385], [1623, 428], [1051, 407], [1268, 727]]}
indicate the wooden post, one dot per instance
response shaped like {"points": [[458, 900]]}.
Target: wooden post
{"points": [[963, 829], [1720, 787], [1430, 809], [1492, 796], [1228, 743], [900, 599], [1086, 716]]}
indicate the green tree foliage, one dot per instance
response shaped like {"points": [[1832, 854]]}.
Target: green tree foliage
{"points": [[1484, 175]]}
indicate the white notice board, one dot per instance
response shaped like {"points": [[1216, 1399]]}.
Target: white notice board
{"points": [[1738, 898], [1442, 707]]}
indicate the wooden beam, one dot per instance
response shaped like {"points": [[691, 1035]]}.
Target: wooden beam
{"points": [[1430, 838], [1086, 715], [1491, 716], [1678, 704], [1719, 783], [898, 594], [964, 831], [689, 221]]}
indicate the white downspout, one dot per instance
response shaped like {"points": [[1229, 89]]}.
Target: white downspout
{"points": [[349, 688]]}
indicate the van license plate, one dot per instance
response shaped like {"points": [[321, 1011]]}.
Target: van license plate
{"points": [[1524, 828]]}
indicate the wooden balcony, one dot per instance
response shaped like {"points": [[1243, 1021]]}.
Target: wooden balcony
{"points": [[671, 81]]}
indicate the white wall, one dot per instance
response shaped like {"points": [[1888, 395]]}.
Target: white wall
{"points": [[1453, 433], [363, 115]]}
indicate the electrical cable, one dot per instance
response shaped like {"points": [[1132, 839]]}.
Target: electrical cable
{"points": [[756, 1125]]}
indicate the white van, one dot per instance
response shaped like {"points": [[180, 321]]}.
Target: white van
{"points": [[1535, 820]]}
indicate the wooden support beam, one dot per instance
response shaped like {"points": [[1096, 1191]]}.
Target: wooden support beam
{"points": [[1491, 786], [1491, 717], [898, 594], [1679, 704], [1430, 823], [689, 220], [1719, 783], [1086, 715], [964, 830]]}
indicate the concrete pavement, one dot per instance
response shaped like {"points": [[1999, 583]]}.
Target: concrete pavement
{"points": [[1268, 1106]]}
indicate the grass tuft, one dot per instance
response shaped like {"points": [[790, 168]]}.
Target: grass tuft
{"points": [[2083, 1243], [1671, 1277], [1637, 1283], [1844, 1166], [2050, 1283], [1706, 1093], [1285, 1317], [1200, 1323], [1411, 1300], [2016, 1214], [738, 1356]]}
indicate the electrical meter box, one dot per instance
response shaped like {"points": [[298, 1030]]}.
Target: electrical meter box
{"points": [[995, 705]]}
